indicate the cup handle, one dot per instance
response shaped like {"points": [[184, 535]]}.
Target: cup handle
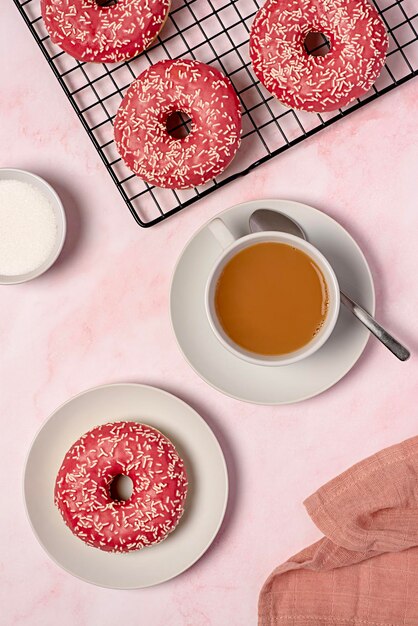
{"points": [[221, 232]]}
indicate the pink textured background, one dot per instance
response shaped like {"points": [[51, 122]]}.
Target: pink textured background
{"points": [[101, 315]]}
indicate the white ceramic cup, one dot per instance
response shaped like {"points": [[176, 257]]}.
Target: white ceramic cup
{"points": [[231, 246]]}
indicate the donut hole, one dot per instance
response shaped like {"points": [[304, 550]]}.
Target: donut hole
{"points": [[121, 488], [317, 44], [178, 124], [104, 4]]}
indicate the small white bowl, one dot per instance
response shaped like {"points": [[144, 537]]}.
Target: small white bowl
{"points": [[48, 191]]}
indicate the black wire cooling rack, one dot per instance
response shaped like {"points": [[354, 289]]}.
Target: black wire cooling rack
{"points": [[215, 32]]}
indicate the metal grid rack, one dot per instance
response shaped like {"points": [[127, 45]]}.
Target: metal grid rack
{"points": [[215, 32]]}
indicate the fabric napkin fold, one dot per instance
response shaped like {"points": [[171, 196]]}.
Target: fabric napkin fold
{"points": [[364, 571]]}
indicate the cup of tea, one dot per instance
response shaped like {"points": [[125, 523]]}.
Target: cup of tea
{"points": [[271, 298]]}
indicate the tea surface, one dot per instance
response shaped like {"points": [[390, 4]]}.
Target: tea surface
{"points": [[271, 299]]}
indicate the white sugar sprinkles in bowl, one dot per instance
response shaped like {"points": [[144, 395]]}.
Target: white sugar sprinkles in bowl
{"points": [[32, 226]]}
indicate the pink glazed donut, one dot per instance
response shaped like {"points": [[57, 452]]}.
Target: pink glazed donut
{"points": [[358, 41], [96, 30], [202, 93], [83, 487]]}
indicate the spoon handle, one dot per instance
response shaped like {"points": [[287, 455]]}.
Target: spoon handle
{"points": [[390, 342]]}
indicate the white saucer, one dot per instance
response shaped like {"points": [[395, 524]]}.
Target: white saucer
{"points": [[206, 499], [256, 383]]}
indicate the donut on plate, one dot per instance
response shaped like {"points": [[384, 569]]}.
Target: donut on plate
{"points": [[83, 487], [199, 91], [100, 31], [358, 45]]}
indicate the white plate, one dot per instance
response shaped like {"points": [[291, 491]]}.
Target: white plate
{"points": [[257, 383], [205, 503]]}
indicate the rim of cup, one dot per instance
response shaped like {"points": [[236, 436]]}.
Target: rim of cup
{"points": [[7, 173], [333, 291]]}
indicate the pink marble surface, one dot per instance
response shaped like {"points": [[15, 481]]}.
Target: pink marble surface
{"points": [[101, 315]]}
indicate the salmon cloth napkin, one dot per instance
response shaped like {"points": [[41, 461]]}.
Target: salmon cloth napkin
{"points": [[364, 572]]}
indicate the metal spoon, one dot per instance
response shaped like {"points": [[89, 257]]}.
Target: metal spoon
{"points": [[266, 219]]}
